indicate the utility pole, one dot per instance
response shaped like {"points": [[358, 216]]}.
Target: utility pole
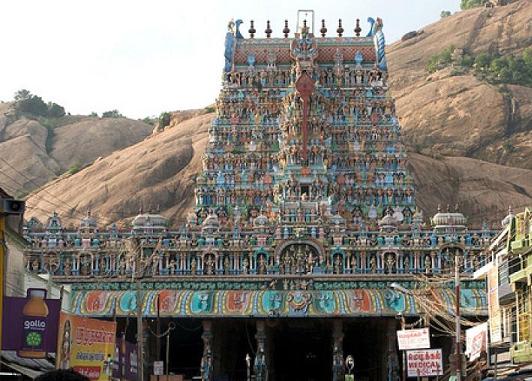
{"points": [[140, 333], [403, 327], [458, 348], [158, 336]]}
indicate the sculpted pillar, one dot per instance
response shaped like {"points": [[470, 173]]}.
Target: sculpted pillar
{"points": [[260, 368], [207, 369], [338, 351]]}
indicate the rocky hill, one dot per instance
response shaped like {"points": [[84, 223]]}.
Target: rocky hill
{"points": [[454, 112], [34, 151], [470, 140], [159, 172]]}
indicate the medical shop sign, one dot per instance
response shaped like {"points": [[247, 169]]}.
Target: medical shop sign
{"points": [[424, 363]]}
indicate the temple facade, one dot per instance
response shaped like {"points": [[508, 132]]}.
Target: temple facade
{"points": [[305, 215]]}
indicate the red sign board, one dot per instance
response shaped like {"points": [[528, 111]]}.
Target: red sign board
{"points": [[424, 363]]}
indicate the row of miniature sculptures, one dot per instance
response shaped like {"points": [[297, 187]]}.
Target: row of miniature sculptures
{"points": [[343, 75], [295, 260]]}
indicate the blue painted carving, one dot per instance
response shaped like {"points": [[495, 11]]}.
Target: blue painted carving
{"points": [[379, 45], [371, 27], [358, 57], [237, 24], [230, 42], [251, 60]]}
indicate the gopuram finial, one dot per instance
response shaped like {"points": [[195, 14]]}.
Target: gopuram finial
{"points": [[323, 29], [358, 29], [286, 29], [252, 29], [304, 30], [340, 30], [268, 30]]}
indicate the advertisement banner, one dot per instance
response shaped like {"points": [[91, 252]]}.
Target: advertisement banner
{"points": [[476, 341], [424, 363], [494, 311], [29, 324], [125, 360], [413, 339], [86, 345]]}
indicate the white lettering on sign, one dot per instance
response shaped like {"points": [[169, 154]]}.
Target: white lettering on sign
{"points": [[413, 339], [34, 324], [424, 363]]}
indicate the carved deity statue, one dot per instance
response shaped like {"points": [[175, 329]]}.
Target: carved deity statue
{"points": [[101, 265], [373, 264], [172, 266], [260, 364], [310, 263], [390, 263], [428, 264], [209, 265], [406, 263], [262, 265], [67, 267], [226, 265], [122, 265], [245, 265], [193, 266], [337, 265], [85, 265]]}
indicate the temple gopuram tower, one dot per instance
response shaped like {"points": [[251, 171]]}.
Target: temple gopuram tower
{"points": [[305, 217]]}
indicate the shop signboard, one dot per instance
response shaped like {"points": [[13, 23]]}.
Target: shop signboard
{"points": [[86, 345]]}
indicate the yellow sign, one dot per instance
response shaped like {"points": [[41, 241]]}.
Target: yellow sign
{"points": [[86, 345]]}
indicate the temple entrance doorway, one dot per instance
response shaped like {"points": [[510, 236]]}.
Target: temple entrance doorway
{"points": [[368, 341], [233, 340], [301, 350], [185, 349]]}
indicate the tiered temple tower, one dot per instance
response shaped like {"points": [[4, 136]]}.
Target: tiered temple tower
{"points": [[304, 209]]}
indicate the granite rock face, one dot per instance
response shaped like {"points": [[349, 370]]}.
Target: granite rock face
{"points": [[456, 114]]}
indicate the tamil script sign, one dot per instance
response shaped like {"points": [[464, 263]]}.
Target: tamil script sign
{"points": [[30, 324], [413, 339], [476, 341], [424, 363], [86, 345]]}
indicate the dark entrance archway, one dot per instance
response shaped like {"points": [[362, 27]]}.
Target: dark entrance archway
{"points": [[301, 351]]}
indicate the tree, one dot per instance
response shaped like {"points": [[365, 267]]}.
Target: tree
{"points": [[112, 114], [22, 95], [55, 111], [482, 61], [444, 14], [32, 104], [95, 114], [164, 119], [468, 4]]}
